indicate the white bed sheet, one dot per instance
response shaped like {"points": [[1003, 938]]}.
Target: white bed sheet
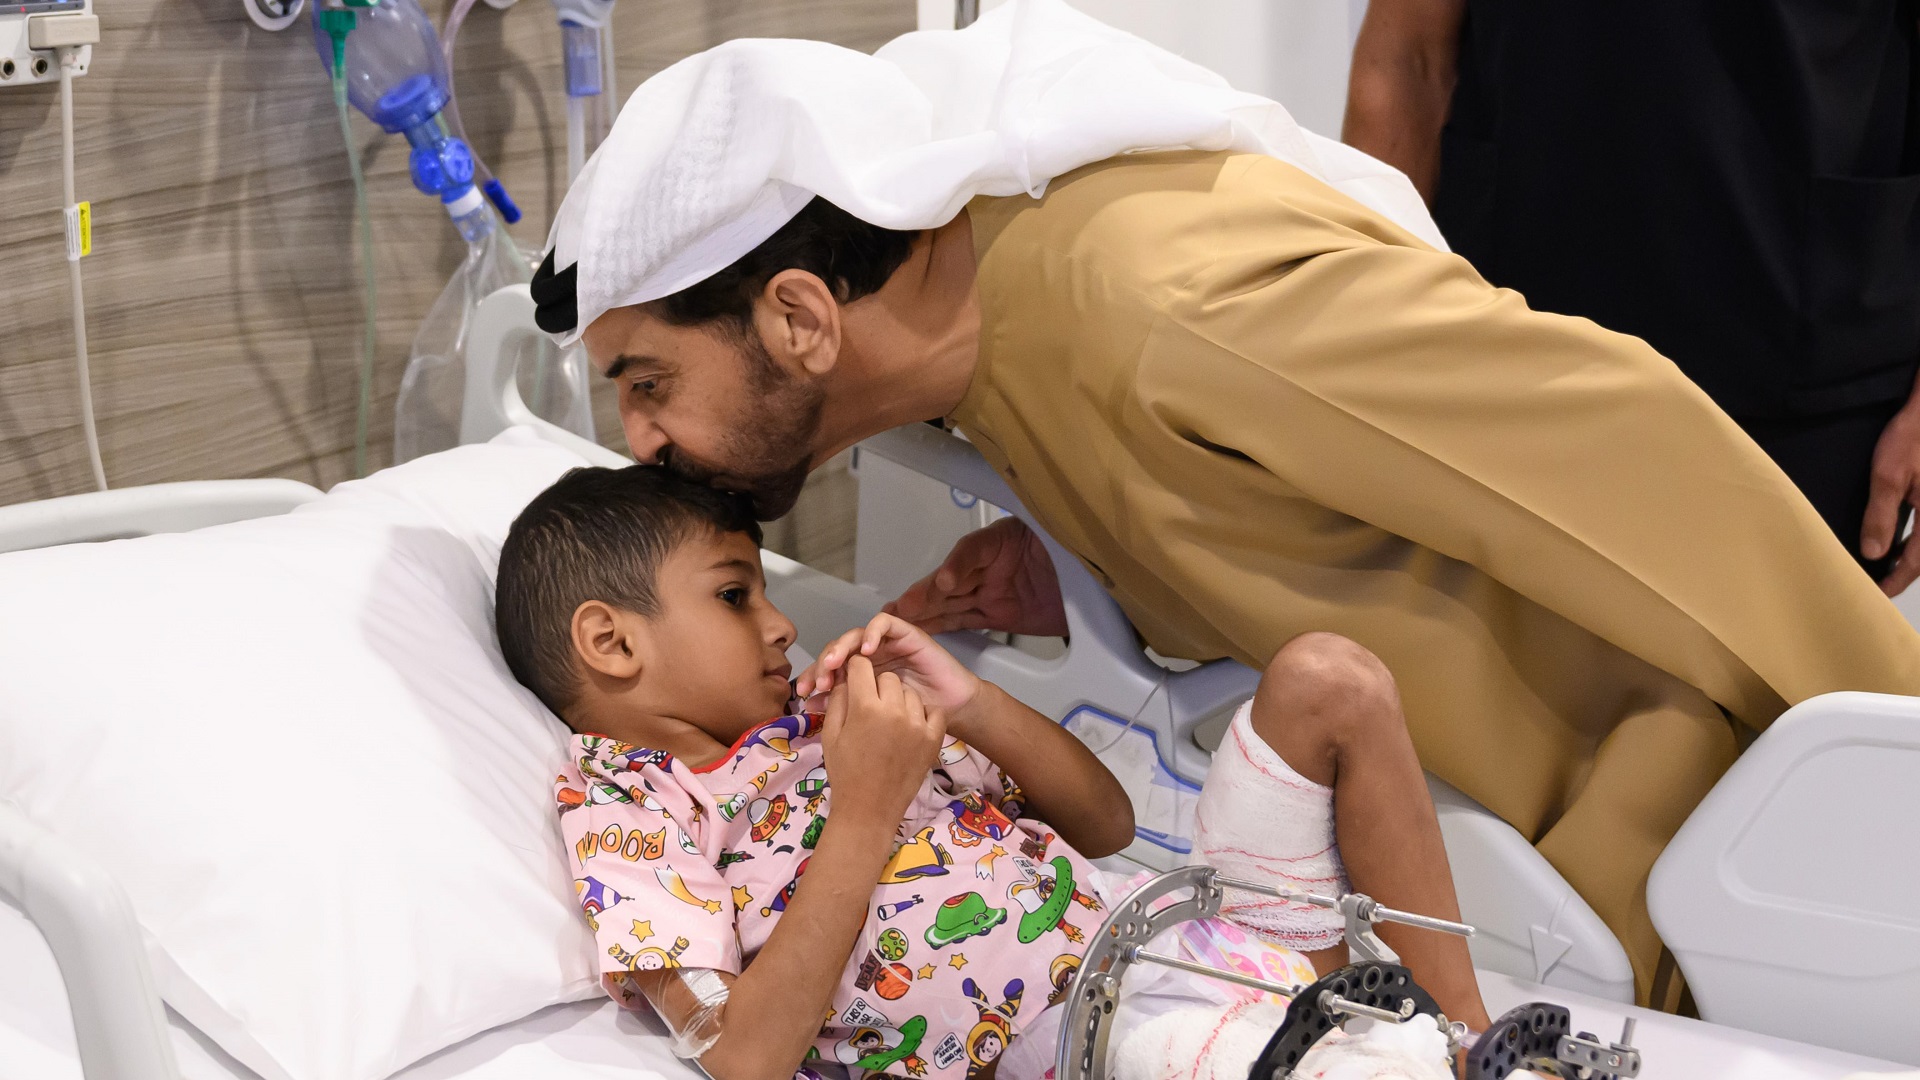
{"points": [[588, 1040], [596, 1040]]}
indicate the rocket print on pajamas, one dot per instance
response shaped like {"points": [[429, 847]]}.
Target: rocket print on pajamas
{"points": [[676, 887], [678, 867]]}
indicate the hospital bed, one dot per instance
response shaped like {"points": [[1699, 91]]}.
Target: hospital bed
{"points": [[1790, 897]]}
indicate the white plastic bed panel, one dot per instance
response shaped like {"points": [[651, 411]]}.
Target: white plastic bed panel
{"points": [[1527, 920], [1791, 897], [142, 511]]}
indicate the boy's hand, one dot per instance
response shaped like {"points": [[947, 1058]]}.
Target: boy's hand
{"points": [[881, 742], [897, 647]]}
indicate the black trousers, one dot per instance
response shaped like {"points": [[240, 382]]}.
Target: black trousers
{"points": [[1830, 457]]}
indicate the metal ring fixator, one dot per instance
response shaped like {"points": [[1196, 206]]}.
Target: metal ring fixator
{"points": [[1537, 1037], [1369, 988], [1121, 941]]}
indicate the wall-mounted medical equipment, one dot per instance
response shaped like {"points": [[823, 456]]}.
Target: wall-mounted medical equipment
{"points": [[274, 14], [22, 61], [388, 57], [395, 73], [586, 44], [52, 41]]}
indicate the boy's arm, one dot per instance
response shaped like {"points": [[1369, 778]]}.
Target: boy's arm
{"points": [[776, 1006], [880, 744], [1066, 786]]}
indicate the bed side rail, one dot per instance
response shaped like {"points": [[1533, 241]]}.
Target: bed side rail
{"points": [[90, 926], [493, 403], [142, 511], [1104, 665]]}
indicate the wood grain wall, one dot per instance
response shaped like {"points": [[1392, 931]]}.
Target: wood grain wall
{"points": [[222, 295]]}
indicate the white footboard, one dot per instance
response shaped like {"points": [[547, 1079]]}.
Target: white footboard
{"points": [[1792, 895]]}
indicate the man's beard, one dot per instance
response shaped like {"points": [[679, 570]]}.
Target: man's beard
{"points": [[769, 449]]}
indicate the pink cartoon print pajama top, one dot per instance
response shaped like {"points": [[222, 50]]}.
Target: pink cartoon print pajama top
{"points": [[979, 919]]}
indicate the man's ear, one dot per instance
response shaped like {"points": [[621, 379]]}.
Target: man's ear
{"points": [[799, 322], [611, 642]]}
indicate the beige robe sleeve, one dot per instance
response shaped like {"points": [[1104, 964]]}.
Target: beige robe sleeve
{"points": [[1576, 466]]}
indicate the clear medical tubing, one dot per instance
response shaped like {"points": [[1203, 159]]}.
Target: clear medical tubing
{"points": [[364, 407], [336, 36], [580, 45], [587, 50], [472, 218], [607, 105], [695, 1032], [483, 175], [576, 137]]}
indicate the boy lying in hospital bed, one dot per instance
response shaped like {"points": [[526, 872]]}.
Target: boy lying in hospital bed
{"points": [[726, 844]]}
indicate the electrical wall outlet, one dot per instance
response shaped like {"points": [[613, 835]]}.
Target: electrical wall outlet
{"points": [[21, 64]]}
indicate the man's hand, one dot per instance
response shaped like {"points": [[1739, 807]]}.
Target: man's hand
{"points": [[1896, 480], [880, 741], [895, 646], [996, 578]]}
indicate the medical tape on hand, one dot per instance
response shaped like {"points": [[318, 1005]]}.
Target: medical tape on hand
{"points": [[696, 1034]]}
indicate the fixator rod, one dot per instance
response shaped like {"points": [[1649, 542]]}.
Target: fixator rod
{"points": [[1142, 956], [1424, 922], [1334, 1003], [1377, 914]]}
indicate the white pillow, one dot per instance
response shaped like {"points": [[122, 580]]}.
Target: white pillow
{"points": [[295, 743]]}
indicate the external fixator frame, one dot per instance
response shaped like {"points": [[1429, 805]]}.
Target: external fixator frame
{"points": [[1374, 986]]}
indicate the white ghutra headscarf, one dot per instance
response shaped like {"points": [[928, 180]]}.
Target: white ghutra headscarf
{"points": [[711, 156]]}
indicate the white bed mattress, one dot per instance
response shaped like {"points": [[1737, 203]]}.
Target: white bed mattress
{"points": [[597, 1039]]}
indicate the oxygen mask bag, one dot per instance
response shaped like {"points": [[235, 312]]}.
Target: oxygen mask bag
{"points": [[396, 74]]}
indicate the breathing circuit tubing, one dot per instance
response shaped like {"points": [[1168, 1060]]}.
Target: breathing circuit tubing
{"points": [[483, 177], [364, 407]]}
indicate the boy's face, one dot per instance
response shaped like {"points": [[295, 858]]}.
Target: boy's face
{"points": [[714, 657]]}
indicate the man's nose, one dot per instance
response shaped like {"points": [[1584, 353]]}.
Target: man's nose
{"points": [[646, 440]]}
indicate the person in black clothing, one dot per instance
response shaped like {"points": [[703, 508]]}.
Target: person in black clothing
{"points": [[1735, 181]]}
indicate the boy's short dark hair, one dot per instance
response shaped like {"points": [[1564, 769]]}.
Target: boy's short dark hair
{"points": [[596, 534]]}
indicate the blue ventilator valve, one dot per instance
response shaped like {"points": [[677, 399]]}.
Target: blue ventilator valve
{"points": [[497, 194]]}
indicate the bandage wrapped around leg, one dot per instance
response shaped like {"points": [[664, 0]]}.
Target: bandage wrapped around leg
{"points": [[1259, 820], [1222, 1043]]}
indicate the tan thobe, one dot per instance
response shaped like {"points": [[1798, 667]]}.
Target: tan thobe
{"points": [[1255, 408]]}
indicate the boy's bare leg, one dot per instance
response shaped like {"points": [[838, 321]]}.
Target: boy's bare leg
{"points": [[1329, 708]]}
